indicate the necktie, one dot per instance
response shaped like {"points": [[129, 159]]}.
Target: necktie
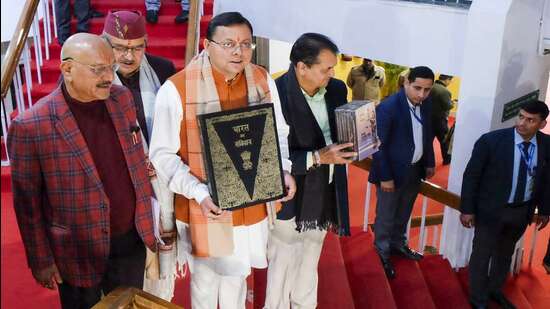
{"points": [[522, 174]]}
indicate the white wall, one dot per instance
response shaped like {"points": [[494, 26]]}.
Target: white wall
{"points": [[279, 56], [11, 12], [397, 32]]}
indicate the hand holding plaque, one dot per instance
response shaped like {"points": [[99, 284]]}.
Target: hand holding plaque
{"points": [[241, 157]]}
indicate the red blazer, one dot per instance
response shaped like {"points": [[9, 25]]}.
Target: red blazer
{"points": [[61, 207]]}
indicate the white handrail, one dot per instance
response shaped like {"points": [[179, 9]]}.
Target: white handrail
{"points": [[423, 224], [367, 207]]}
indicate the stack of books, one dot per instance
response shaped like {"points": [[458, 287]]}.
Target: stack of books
{"points": [[356, 123]]}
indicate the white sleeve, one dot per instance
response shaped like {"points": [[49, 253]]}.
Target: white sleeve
{"points": [[282, 127], [165, 144]]}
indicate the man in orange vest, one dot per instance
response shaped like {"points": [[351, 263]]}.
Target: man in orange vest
{"points": [[220, 247]]}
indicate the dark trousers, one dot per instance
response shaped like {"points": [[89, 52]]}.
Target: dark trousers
{"points": [[63, 17], [492, 251], [393, 210], [440, 129], [125, 267], [547, 257]]}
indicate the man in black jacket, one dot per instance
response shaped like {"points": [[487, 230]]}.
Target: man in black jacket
{"points": [[503, 184], [441, 106], [142, 73], [309, 96]]}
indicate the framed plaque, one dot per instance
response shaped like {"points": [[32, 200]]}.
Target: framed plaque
{"points": [[356, 123], [242, 157]]}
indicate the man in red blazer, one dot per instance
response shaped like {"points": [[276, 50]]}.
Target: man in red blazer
{"points": [[82, 196]]}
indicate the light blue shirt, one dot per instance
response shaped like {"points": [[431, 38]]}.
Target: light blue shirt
{"points": [[318, 107], [517, 157]]}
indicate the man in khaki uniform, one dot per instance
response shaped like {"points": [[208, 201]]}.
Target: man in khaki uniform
{"points": [[366, 80]]}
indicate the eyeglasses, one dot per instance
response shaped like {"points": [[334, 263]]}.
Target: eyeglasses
{"points": [[231, 46], [125, 49], [98, 70]]}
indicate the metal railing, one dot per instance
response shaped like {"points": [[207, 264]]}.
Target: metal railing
{"points": [[16, 65], [452, 3], [430, 223]]}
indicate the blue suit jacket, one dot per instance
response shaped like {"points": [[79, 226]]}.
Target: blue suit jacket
{"points": [[393, 120], [487, 180]]}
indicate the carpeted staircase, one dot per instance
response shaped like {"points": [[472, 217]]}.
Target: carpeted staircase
{"points": [[350, 273]]}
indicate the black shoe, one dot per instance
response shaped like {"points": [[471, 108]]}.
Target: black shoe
{"points": [[388, 267], [96, 14], [499, 298], [476, 306], [407, 253], [182, 17], [546, 266], [152, 16]]}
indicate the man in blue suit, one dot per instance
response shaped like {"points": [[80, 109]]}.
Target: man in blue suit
{"points": [[507, 177], [405, 157]]}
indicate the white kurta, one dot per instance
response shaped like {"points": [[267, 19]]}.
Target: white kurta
{"points": [[250, 242]]}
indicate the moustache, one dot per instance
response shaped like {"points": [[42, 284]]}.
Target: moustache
{"points": [[104, 85]]}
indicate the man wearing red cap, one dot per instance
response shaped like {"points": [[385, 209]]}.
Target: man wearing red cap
{"points": [[143, 74], [140, 72]]}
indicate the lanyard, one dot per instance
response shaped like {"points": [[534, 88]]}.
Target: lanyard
{"points": [[529, 159], [413, 111]]}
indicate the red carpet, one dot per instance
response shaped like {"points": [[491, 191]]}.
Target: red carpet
{"points": [[350, 273]]}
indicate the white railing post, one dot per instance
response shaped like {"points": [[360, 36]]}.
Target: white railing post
{"points": [[533, 244], [367, 207], [422, 224], [27, 67], [436, 235], [409, 229], [37, 48], [47, 39], [19, 90], [54, 17], [517, 257], [5, 125]]}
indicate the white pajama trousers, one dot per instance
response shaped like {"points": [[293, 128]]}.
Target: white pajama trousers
{"points": [[293, 260]]}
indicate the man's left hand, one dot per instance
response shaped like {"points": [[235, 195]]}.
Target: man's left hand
{"points": [[542, 221], [290, 185], [430, 172]]}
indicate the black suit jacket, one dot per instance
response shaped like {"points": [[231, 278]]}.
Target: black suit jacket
{"points": [[162, 66], [305, 136], [487, 180]]}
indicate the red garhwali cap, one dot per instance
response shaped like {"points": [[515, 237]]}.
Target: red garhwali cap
{"points": [[126, 25]]}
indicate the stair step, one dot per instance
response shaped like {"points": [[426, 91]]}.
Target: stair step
{"points": [[165, 28], [6, 178], [511, 290], [442, 282], [369, 286], [169, 48], [333, 279], [515, 294], [409, 287], [167, 8], [537, 295]]}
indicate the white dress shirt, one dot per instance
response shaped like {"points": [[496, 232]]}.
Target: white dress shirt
{"points": [[417, 131]]}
